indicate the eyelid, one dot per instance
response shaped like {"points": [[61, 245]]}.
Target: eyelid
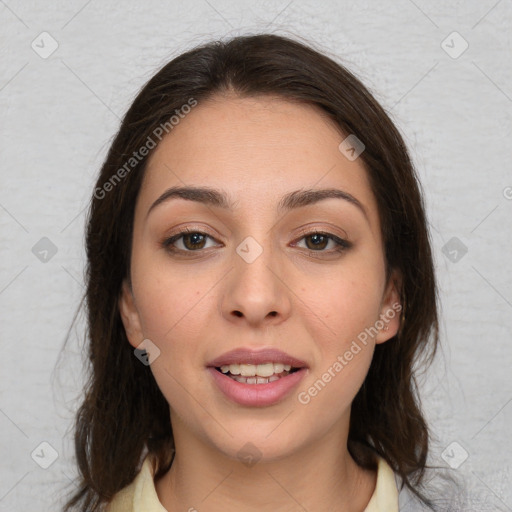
{"points": [[311, 230], [169, 239], [342, 244]]}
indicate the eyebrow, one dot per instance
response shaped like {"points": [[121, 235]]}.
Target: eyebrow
{"points": [[292, 200]]}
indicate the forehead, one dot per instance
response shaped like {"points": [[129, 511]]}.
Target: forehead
{"points": [[256, 149]]}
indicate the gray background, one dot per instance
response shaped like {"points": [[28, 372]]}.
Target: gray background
{"points": [[59, 113]]}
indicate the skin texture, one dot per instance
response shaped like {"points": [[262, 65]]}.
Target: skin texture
{"points": [[196, 306]]}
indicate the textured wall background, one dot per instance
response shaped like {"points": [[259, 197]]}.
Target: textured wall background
{"points": [[60, 110]]}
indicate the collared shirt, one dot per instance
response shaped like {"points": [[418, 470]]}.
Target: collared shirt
{"points": [[141, 496]]}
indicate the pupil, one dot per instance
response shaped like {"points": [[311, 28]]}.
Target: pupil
{"points": [[317, 237], [196, 240]]}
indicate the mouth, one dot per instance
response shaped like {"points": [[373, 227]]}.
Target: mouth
{"points": [[265, 373], [256, 378]]}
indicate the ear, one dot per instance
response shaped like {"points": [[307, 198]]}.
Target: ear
{"points": [[391, 309], [130, 316]]}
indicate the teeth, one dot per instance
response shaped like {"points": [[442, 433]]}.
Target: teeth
{"points": [[253, 370], [248, 370], [234, 369], [255, 380], [279, 368]]}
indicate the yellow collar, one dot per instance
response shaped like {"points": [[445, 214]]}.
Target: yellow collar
{"points": [[141, 496]]}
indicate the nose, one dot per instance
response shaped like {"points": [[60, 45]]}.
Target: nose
{"points": [[255, 292]]}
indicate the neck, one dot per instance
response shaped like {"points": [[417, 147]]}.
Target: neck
{"points": [[320, 477]]}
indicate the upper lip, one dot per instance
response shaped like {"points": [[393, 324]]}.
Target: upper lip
{"points": [[248, 356]]}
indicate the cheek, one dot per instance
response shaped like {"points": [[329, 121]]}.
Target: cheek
{"points": [[173, 312], [174, 307], [169, 303], [348, 307]]}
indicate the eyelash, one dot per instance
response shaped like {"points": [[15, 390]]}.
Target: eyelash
{"points": [[341, 244]]}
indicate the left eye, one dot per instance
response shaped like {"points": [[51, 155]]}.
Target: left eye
{"points": [[319, 241]]}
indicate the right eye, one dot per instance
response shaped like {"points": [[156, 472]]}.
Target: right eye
{"points": [[190, 241]]}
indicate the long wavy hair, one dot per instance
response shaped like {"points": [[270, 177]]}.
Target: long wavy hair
{"points": [[124, 415]]}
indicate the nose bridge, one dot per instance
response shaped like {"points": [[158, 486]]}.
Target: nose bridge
{"points": [[255, 290], [253, 263]]}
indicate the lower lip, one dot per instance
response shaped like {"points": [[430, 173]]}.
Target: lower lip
{"points": [[257, 395]]}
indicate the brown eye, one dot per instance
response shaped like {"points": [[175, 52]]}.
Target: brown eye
{"points": [[194, 241], [190, 241], [318, 242]]}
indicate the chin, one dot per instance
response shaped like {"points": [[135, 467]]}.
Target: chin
{"points": [[258, 443]]}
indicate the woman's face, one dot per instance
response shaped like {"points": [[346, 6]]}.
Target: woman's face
{"points": [[252, 274]]}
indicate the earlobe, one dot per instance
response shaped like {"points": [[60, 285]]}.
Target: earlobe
{"points": [[391, 309], [130, 315]]}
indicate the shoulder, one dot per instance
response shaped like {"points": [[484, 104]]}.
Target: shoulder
{"points": [[385, 495], [140, 495]]}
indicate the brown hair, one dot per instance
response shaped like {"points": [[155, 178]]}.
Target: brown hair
{"points": [[123, 411]]}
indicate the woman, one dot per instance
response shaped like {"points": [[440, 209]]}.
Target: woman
{"points": [[260, 284]]}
